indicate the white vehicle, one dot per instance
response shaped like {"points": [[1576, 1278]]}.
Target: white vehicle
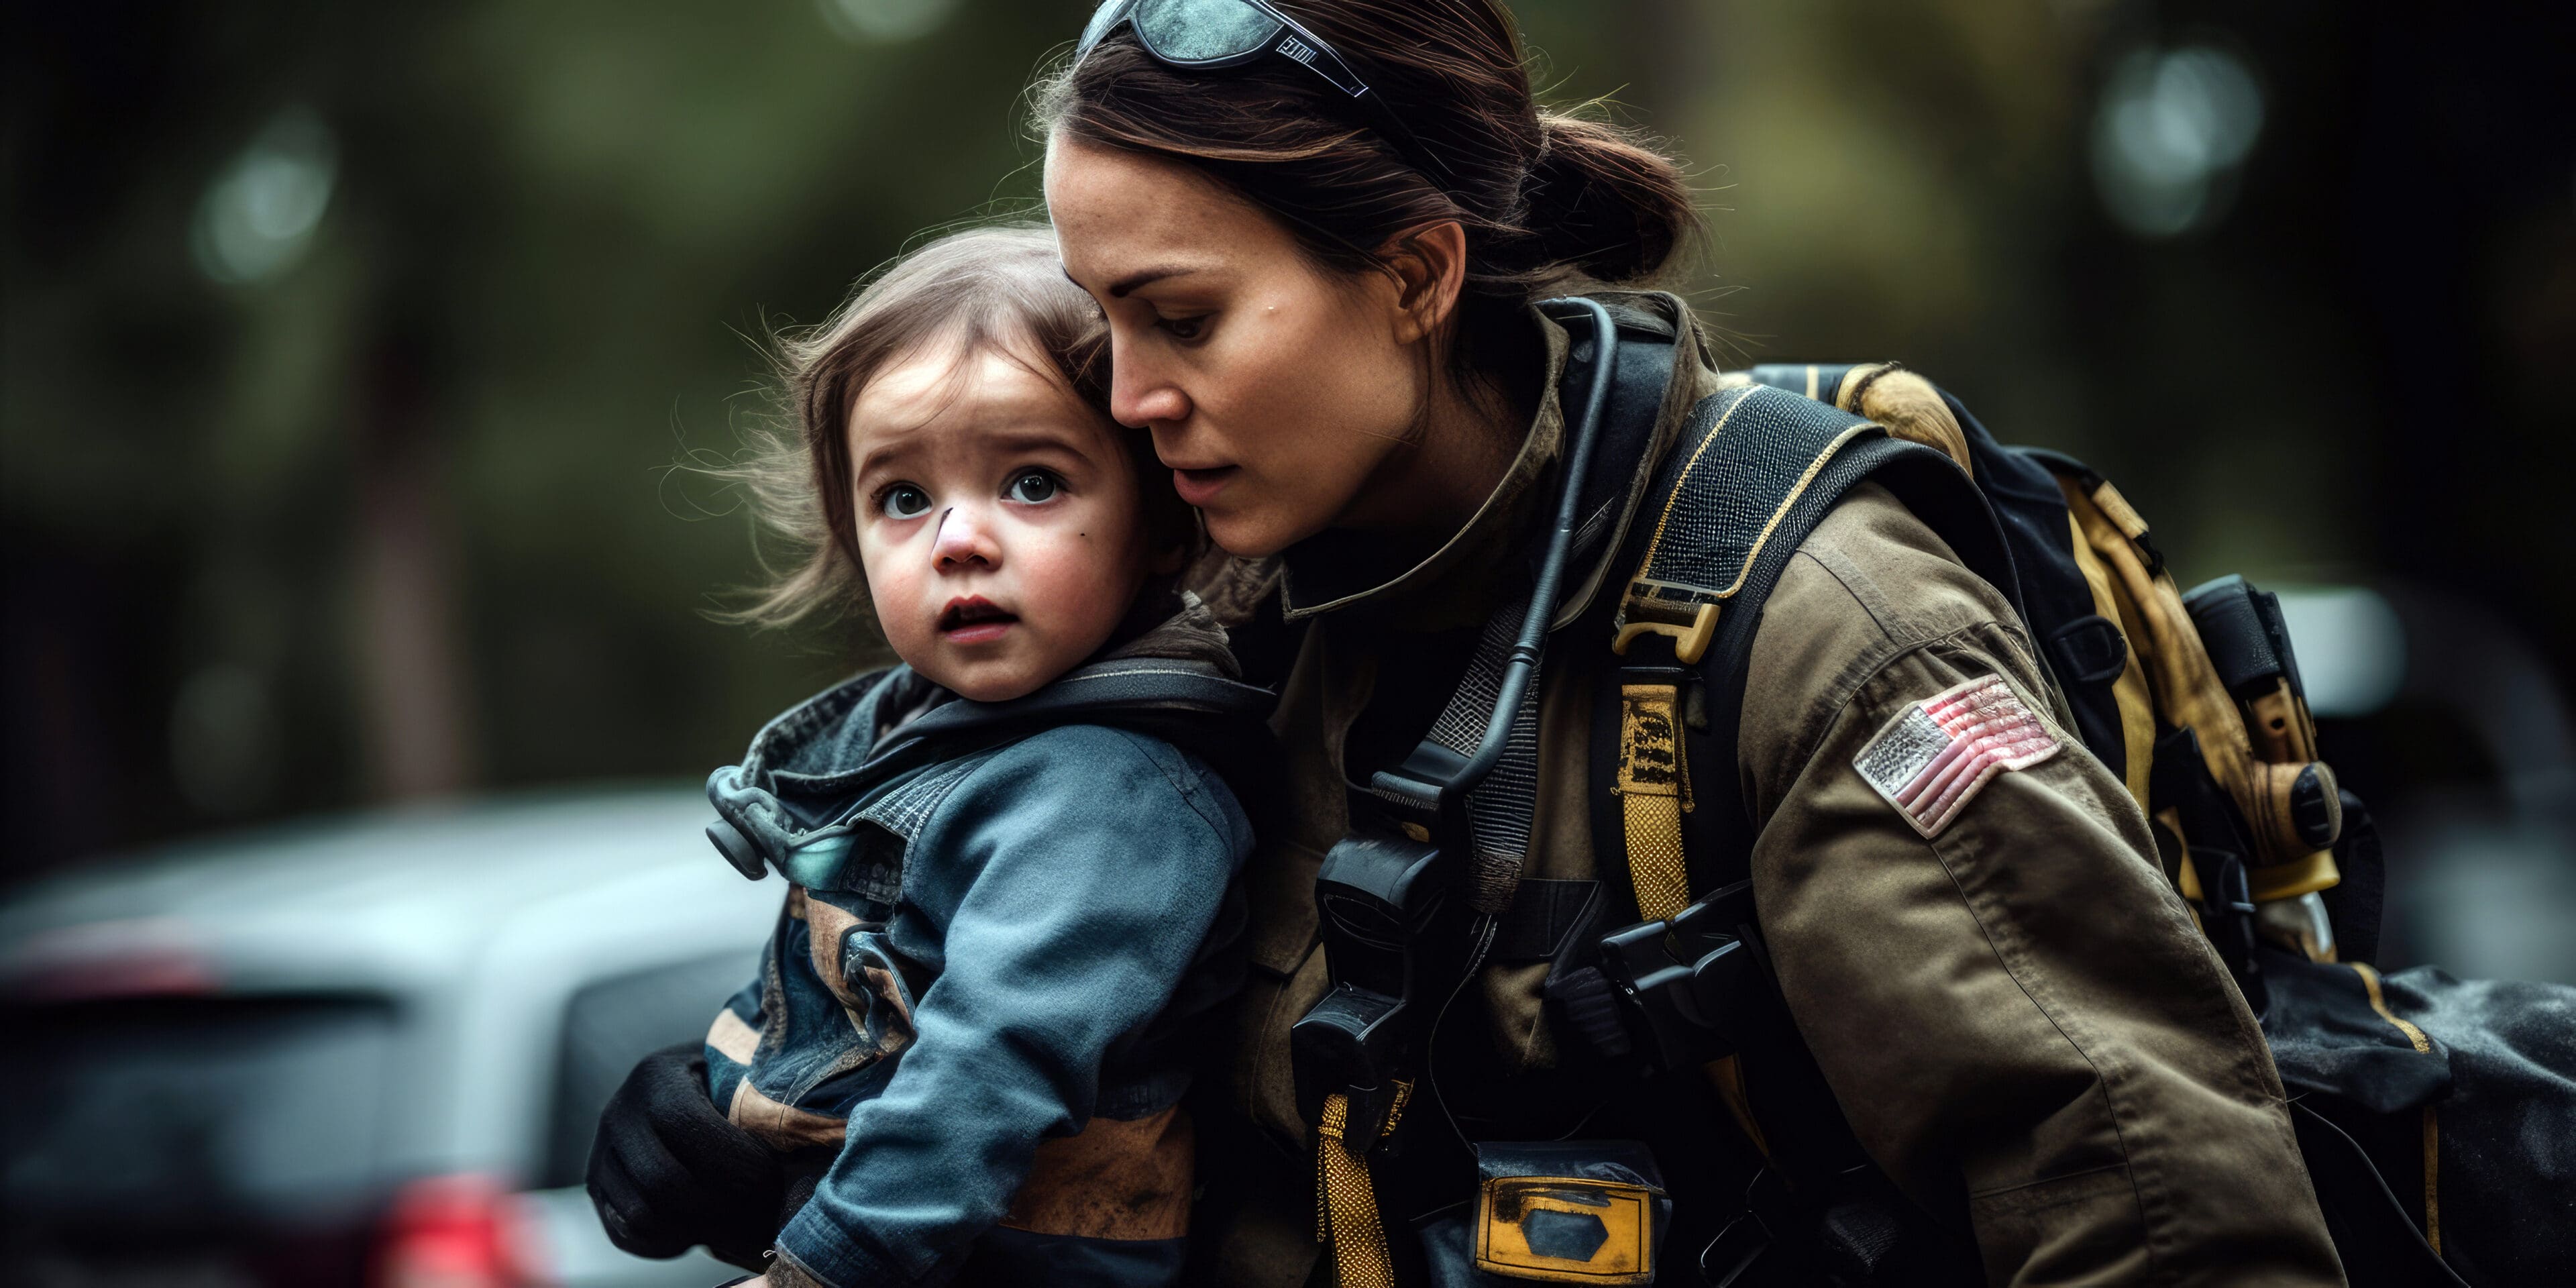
{"points": [[368, 1051]]}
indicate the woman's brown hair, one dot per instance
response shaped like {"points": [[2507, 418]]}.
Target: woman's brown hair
{"points": [[999, 287], [1543, 197]]}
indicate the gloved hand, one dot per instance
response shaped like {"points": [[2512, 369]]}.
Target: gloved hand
{"points": [[668, 1171]]}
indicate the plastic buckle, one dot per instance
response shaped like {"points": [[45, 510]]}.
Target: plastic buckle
{"points": [[2228, 908], [1685, 978], [1690, 638], [1378, 897]]}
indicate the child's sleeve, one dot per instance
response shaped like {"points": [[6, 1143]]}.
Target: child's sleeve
{"points": [[1079, 871], [730, 1043]]}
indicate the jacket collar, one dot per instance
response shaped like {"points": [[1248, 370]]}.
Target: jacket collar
{"points": [[806, 770], [837, 740]]}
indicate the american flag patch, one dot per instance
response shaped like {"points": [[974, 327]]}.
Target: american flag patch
{"points": [[1937, 754]]}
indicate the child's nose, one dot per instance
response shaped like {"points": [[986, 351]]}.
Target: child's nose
{"points": [[965, 541]]}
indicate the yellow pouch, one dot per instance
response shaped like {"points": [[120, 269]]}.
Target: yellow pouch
{"points": [[1573, 1212]]}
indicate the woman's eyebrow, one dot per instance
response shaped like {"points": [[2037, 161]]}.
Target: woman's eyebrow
{"points": [[1148, 276]]}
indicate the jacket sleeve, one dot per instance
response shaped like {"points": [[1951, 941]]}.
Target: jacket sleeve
{"points": [[1077, 873], [2014, 1010]]}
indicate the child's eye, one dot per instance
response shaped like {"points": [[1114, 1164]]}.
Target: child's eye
{"points": [[1183, 328], [903, 501], [1032, 487]]}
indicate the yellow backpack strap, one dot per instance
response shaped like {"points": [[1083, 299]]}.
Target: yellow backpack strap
{"points": [[2259, 776], [1909, 405], [2136, 702]]}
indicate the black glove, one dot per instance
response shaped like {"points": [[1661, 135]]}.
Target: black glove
{"points": [[667, 1171]]}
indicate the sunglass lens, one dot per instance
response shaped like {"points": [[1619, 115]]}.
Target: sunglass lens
{"points": [[1203, 31], [1101, 20]]}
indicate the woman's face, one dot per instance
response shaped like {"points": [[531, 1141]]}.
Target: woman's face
{"points": [[1276, 390]]}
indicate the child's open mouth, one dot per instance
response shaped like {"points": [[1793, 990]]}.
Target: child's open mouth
{"points": [[974, 620]]}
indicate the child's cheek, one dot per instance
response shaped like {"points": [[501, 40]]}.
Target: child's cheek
{"points": [[1089, 585], [895, 592]]}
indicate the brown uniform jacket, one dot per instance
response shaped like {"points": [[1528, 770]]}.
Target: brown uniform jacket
{"points": [[2017, 1012]]}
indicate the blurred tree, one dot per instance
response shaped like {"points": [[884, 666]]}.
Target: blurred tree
{"points": [[345, 350]]}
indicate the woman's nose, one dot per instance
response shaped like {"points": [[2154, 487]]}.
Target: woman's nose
{"points": [[965, 541], [1139, 396]]}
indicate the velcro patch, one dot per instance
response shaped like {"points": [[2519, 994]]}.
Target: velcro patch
{"points": [[1937, 754]]}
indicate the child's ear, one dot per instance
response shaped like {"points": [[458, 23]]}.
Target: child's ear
{"points": [[1169, 561]]}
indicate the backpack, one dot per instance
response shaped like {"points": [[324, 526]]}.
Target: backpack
{"points": [[2193, 699]]}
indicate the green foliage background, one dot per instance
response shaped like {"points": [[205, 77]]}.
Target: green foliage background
{"points": [[559, 231]]}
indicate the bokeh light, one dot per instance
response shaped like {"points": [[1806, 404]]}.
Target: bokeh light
{"points": [[2172, 128], [258, 218]]}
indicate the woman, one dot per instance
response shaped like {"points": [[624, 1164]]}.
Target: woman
{"points": [[1321, 303]]}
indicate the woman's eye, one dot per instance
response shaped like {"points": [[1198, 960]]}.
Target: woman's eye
{"points": [[1183, 328], [904, 501], [1032, 488]]}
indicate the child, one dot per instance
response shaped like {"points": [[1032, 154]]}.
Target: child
{"points": [[1007, 866]]}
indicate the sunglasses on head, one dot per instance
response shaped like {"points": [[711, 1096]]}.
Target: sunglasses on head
{"points": [[1212, 34]]}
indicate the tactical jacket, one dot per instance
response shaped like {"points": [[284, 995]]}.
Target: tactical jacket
{"points": [[2014, 1010], [978, 1002]]}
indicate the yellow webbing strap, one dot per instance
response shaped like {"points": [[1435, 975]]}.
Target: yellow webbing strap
{"points": [[2432, 1134], [1653, 792], [1727, 1077], [2290, 880], [1654, 789], [2136, 701], [1346, 1202], [2188, 693], [1907, 404]]}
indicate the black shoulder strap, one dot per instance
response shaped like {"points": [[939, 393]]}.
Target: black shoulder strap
{"points": [[1637, 383], [2083, 650], [1757, 469]]}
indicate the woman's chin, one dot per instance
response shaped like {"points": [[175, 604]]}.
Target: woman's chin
{"points": [[1255, 535]]}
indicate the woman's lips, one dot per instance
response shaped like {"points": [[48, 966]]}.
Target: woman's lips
{"points": [[1198, 487]]}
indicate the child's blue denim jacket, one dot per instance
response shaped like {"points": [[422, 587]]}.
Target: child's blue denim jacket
{"points": [[1003, 917]]}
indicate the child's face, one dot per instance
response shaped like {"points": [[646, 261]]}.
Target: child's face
{"points": [[998, 520]]}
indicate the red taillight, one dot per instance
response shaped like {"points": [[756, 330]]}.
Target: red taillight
{"points": [[145, 957], [455, 1232]]}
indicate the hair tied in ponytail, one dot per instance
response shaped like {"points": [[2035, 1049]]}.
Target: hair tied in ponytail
{"points": [[1601, 202]]}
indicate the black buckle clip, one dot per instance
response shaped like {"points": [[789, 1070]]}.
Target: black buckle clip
{"points": [[1382, 897], [2227, 906], [1686, 978]]}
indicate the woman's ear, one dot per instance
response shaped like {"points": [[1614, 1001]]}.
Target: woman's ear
{"points": [[1429, 264]]}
